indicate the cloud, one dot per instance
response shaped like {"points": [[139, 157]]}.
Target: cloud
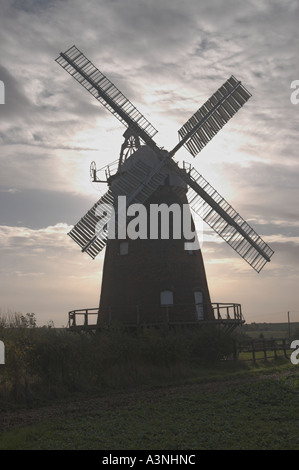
{"points": [[43, 271], [17, 103], [15, 238], [32, 6], [266, 192], [168, 58], [266, 296], [39, 208]]}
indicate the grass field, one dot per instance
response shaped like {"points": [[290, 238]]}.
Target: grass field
{"points": [[227, 407], [270, 330], [152, 390]]}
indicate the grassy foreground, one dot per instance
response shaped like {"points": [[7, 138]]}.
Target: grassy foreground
{"points": [[249, 409]]}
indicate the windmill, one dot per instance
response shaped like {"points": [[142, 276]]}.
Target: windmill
{"points": [[146, 280]]}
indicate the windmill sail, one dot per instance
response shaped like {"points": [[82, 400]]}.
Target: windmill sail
{"points": [[137, 185], [77, 65], [213, 115], [194, 134], [84, 231], [224, 220]]}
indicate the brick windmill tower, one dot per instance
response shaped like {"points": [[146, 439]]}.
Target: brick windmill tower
{"points": [[149, 276]]}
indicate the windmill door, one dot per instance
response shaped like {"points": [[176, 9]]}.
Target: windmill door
{"points": [[198, 297]]}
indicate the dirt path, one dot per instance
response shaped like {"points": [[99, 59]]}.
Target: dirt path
{"points": [[111, 400]]}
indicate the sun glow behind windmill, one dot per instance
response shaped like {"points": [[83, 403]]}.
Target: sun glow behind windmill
{"points": [[140, 181]]}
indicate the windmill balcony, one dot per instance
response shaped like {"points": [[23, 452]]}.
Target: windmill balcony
{"points": [[226, 314], [109, 171]]}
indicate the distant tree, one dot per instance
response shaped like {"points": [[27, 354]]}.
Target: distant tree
{"points": [[17, 320], [50, 324], [28, 320]]}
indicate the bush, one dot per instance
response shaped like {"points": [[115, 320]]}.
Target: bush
{"points": [[210, 344], [42, 363]]}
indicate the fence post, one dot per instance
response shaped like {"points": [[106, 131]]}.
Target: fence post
{"points": [[284, 348], [265, 350], [275, 352], [253, 351], [73, 318]]}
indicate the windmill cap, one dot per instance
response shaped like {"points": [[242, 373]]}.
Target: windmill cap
{"points": [[147, 156]]}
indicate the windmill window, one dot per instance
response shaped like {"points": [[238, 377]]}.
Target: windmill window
{"points": [[198, 299], [166, 297], [124, 248]]}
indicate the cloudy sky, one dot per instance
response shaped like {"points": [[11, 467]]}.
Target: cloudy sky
{"points": [[167, 57]]}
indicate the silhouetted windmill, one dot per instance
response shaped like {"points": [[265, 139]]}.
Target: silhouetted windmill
{"points": [[149, 280]]}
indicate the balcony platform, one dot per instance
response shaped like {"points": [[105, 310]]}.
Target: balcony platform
{"points": [[227, 315]]}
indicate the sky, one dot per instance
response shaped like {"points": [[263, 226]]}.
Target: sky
{"points": [[168, 57]]}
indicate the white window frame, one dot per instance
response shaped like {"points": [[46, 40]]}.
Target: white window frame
{"points": [[166, 297]]}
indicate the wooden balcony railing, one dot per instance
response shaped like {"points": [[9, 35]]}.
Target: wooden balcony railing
{"points": [[225, 313]]}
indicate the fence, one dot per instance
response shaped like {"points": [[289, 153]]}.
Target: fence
{"points": [[262, 349]]}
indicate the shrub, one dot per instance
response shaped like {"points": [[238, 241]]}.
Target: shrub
{"points": [[43, 363]]}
